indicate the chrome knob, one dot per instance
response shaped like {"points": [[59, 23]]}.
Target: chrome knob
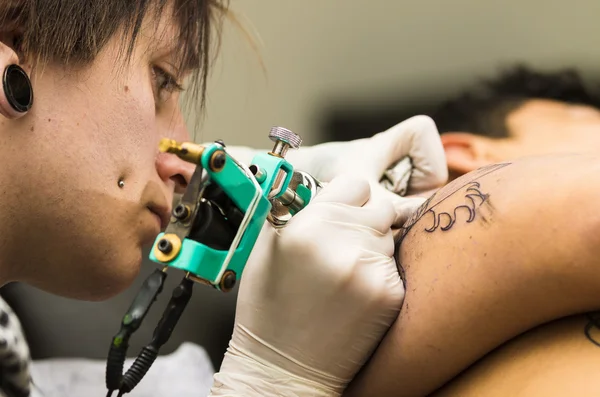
{"points": [[286, 136], [284, 139]]}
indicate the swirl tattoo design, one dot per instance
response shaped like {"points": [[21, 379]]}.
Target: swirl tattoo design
{"points": [[473, 194], [446, 220]]}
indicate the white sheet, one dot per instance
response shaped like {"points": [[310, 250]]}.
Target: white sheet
{"points": [[187, 372]]}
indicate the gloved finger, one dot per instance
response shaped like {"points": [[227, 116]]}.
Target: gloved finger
{"points": [[379, 212], [345, 189], [361, 234], [406, 207], [263, 246], [386, 280], [387, 245], [419, 139], [402, 207]]}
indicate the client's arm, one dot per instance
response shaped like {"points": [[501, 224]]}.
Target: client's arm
{"points": [[491, 255]]}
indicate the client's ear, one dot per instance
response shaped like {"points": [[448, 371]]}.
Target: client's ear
{"points": [[465, 152]]}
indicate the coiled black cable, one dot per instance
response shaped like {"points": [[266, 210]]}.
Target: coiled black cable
{"points": [[138, 369]]}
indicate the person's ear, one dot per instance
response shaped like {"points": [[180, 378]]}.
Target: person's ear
{"points": [[465, 152], [16, 95]]}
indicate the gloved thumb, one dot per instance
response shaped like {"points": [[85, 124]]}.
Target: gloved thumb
{"points": [[345, 189], [404, 206]]}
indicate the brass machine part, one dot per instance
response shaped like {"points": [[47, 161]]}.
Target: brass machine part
{"points": [[198, 279], [188, 151], [172, 246], [227, 281]]}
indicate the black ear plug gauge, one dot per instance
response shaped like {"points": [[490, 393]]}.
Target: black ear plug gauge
{"points": [[17, 88]]}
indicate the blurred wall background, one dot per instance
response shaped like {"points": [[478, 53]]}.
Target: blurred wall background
{"points": [[325, 58]]}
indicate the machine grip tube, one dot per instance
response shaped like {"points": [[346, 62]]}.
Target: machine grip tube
{"points": [[179, 300]]}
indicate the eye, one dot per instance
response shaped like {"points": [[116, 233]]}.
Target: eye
{"points": [[164, 83]]}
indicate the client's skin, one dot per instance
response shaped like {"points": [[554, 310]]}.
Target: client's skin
{"points": [[557, 359], [495, 253]]}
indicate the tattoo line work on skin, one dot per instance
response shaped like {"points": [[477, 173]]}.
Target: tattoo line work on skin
{"points": [[594, 322], [472, 193], [446, 192]]}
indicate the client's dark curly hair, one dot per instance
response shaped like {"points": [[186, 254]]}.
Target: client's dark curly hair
{"points": [[483, 110]]}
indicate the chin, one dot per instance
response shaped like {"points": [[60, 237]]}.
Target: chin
{"points": [[110, 283], [101, 279]]}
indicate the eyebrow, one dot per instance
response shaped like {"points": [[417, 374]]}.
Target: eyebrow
{"points": [[182, 66]]}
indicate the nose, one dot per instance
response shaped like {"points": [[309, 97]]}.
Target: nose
{"points": [[171, 169], [174, 171]]}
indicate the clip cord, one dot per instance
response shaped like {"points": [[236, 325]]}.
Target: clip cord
{"points": [[179, 300], [130, 323]]}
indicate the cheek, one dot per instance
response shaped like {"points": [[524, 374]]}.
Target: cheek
{"points": [[106, 121], [88, 137], [130, 125], [124, 140]]}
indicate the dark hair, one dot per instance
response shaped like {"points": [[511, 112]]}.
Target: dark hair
{"points": [[72, 32], [484, 109]]}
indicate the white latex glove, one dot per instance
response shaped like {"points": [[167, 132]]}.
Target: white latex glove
{"points": [[379, 160], [316, 298]]}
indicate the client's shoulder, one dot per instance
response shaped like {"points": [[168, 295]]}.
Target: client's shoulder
{"points": [[489, 256], [514, 207], [530, 178]]}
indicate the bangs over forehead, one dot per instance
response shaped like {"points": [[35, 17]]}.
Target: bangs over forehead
{"points": [[72, 32]]}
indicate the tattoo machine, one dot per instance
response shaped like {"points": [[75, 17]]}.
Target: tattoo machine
{"points": [[212, 232]]}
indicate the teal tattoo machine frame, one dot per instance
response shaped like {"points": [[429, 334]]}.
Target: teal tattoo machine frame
{"points": [[212, 232], [234, 204]]}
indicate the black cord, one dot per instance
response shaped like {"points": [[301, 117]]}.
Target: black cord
{"points": [[130, 323], [179, 300]]}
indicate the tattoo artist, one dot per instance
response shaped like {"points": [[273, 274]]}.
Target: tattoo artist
{"points": [[89, 87]]}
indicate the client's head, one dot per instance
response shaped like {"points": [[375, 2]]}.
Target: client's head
{"points": [[520, 113]]}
